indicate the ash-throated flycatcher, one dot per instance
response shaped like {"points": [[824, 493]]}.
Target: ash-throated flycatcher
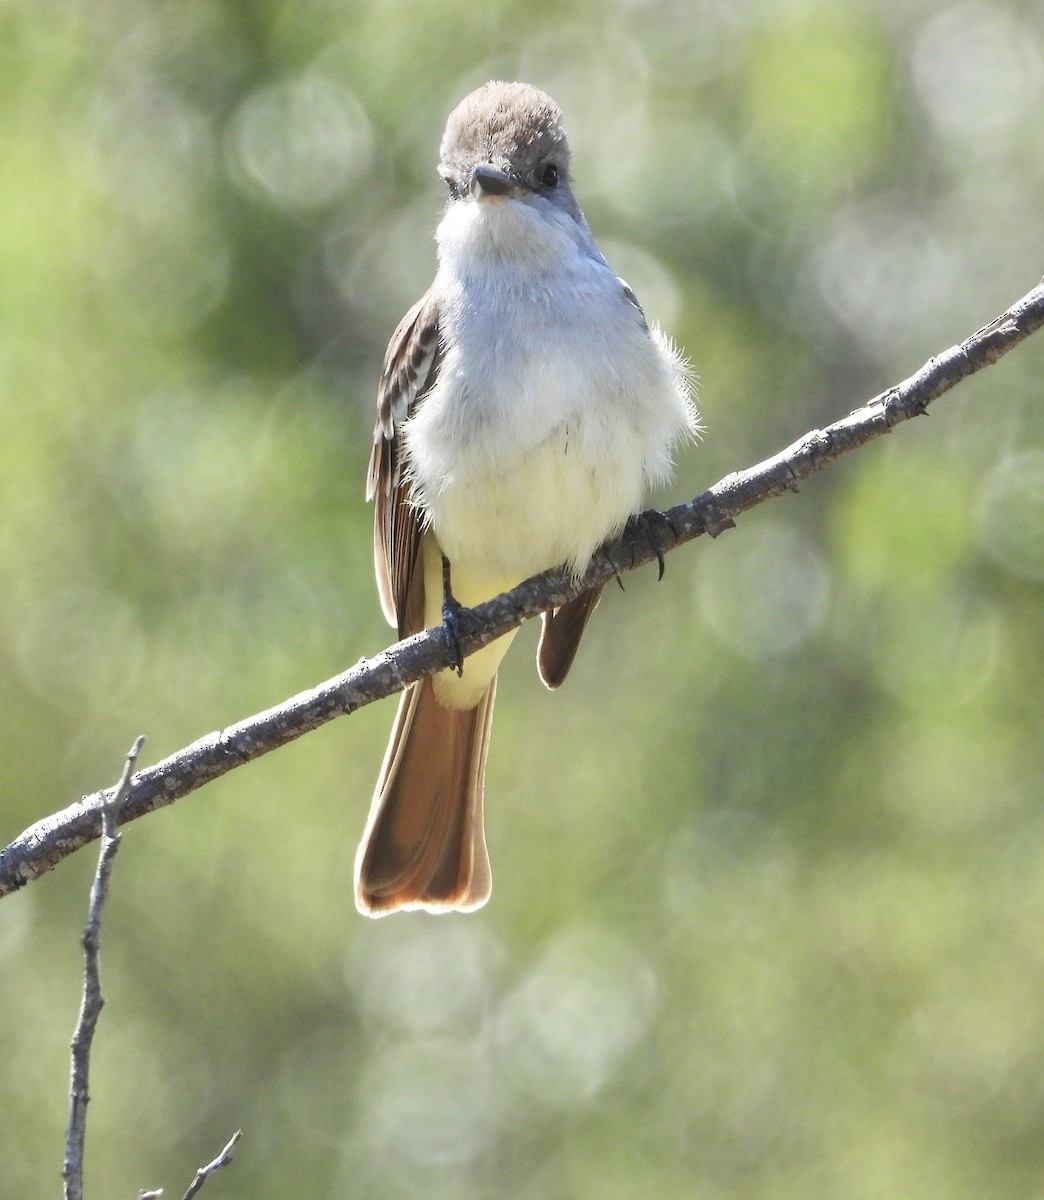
{"points": [[524, 408]]}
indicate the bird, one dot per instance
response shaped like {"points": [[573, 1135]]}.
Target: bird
{"points": [[525, 406]]}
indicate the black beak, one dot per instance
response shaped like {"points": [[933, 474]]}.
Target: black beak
{"points": [[488, 181]]}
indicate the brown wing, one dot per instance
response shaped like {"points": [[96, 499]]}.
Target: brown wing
{"points": [[411, 366]]}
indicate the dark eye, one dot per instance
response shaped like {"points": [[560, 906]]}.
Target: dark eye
{"points": [[549, 175], [454, 187]]}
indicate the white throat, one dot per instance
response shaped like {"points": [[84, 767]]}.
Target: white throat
{"points": [[554, 403]]}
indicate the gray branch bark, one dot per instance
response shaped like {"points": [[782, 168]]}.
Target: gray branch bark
{"points": [[92, 1000], [42, 846], [204, 1173]]}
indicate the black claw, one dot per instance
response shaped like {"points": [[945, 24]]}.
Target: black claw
{"points": [[651, 527], [607, 558], [451, 606]]}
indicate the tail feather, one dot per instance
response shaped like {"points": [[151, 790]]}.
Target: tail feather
{"points": [[424, 845]]}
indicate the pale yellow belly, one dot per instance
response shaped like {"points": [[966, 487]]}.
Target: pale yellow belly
{"points": [[555, 506], [469, 588]]}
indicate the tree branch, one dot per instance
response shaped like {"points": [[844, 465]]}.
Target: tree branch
{"points": [[45, 844], [92, 999], [204, 1173]]}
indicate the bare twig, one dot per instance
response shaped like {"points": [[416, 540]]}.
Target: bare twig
{"points": [[92, 1000], [46, 843], [204, 1173]]}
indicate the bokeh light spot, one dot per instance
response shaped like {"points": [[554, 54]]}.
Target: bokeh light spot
{"points": [[879, 270], [1011, 514], [769, 594], [566, 1029], [300, 143], [978, 69]]}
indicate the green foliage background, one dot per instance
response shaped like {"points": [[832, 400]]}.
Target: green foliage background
{"points": [[768, 917]]}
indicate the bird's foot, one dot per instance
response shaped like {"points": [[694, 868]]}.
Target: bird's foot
{"points": [[451, 607], [653, 528]]}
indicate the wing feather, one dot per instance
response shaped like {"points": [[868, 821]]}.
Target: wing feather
{"points": [[411, 365]]}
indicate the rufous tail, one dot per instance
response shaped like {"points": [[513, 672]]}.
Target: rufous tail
{"points": [[424, 845]]}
